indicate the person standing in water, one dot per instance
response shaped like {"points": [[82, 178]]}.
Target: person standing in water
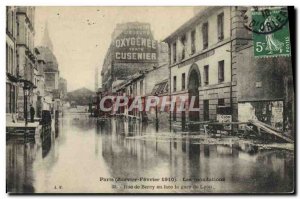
{"points": [[32, 112]]}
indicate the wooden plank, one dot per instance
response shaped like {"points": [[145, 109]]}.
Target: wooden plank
{"points": [[226, 123], [217, 123], [270, 131], [269, 126], [192, 122]]}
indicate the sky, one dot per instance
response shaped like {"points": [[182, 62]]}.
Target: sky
{"points": [[82, 35]]}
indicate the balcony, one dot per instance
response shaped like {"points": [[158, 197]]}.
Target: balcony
{"points": [[12, 77], [30, 55]]}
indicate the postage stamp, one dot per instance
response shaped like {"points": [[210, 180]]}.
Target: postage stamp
{"points": [[270, 29]]}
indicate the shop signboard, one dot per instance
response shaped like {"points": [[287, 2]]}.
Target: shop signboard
{"points": [[135, 44], [225, 119]]}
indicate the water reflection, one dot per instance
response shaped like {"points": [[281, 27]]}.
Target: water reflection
{"points": [[82, 149], [20, 154], [240, 164]]}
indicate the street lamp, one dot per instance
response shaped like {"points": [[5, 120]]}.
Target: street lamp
{"points": [[26, 92], [156, 116]]}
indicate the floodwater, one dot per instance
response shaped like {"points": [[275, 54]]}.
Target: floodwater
{"points": [[83, 155]]}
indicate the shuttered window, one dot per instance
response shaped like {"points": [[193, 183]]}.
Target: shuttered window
{"points": [[221, 27], [205, 35], [221, 71]]}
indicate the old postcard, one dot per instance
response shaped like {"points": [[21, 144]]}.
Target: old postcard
{"points": [[144, 100]]}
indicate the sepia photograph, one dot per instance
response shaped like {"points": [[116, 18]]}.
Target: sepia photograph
{"points": [[150, 100]]}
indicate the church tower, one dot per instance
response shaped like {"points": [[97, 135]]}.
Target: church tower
{"points": [[46, 41]]}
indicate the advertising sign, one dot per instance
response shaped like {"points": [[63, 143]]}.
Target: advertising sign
{"points": [[135, 44], [225, 119]]}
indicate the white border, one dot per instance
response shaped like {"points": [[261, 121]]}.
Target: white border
{"points": [[3, 3]]}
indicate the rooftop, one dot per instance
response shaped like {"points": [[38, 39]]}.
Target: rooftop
{"points": [[190, 23]]}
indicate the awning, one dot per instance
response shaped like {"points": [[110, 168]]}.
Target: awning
{"points": [[160, 88]]}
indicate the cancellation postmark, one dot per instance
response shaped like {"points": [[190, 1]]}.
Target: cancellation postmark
{"points": [[270, 31]]}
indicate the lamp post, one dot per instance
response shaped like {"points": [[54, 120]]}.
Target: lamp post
{"points": [[26, 91], [156, 116]]}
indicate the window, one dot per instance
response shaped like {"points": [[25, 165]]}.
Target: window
{"points": [[141, 87], [193, 47], [135, 89], [6, 18], [174, 112], [7, 98], [9, 20], [174, 83], [183, 81], [221, 27], [13, 99], [12, 23], [7, 57], [206, 110], [10, 98], [29, 72], [174, 53], [9, 60], [221, 102], [18, 28], [205, 35], [25, 38], [17, 66], [221, 71], [11, 67], [183, 42], [206, 75]]}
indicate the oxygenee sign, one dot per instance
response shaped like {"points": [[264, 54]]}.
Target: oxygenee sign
{"points": [[135, 43]]}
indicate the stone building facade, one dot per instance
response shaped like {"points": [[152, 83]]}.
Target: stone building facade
{"points": [[11, 63], [212, 58], [26, 61], [152, 82], [39, 92], [31, 72], [200, 64], [24, 74], [132, 49]]}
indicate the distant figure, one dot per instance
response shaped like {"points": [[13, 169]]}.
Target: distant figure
{"points": [[32, 112]]}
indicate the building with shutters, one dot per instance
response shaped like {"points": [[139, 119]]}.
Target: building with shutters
{"points": [[12, 86], [212, 59], [201, 65], [25, 57]]}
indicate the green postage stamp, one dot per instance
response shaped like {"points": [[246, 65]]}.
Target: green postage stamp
{"points": [[270, 29]]}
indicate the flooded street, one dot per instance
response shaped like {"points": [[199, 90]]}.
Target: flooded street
{"points": [[83, 155]]}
